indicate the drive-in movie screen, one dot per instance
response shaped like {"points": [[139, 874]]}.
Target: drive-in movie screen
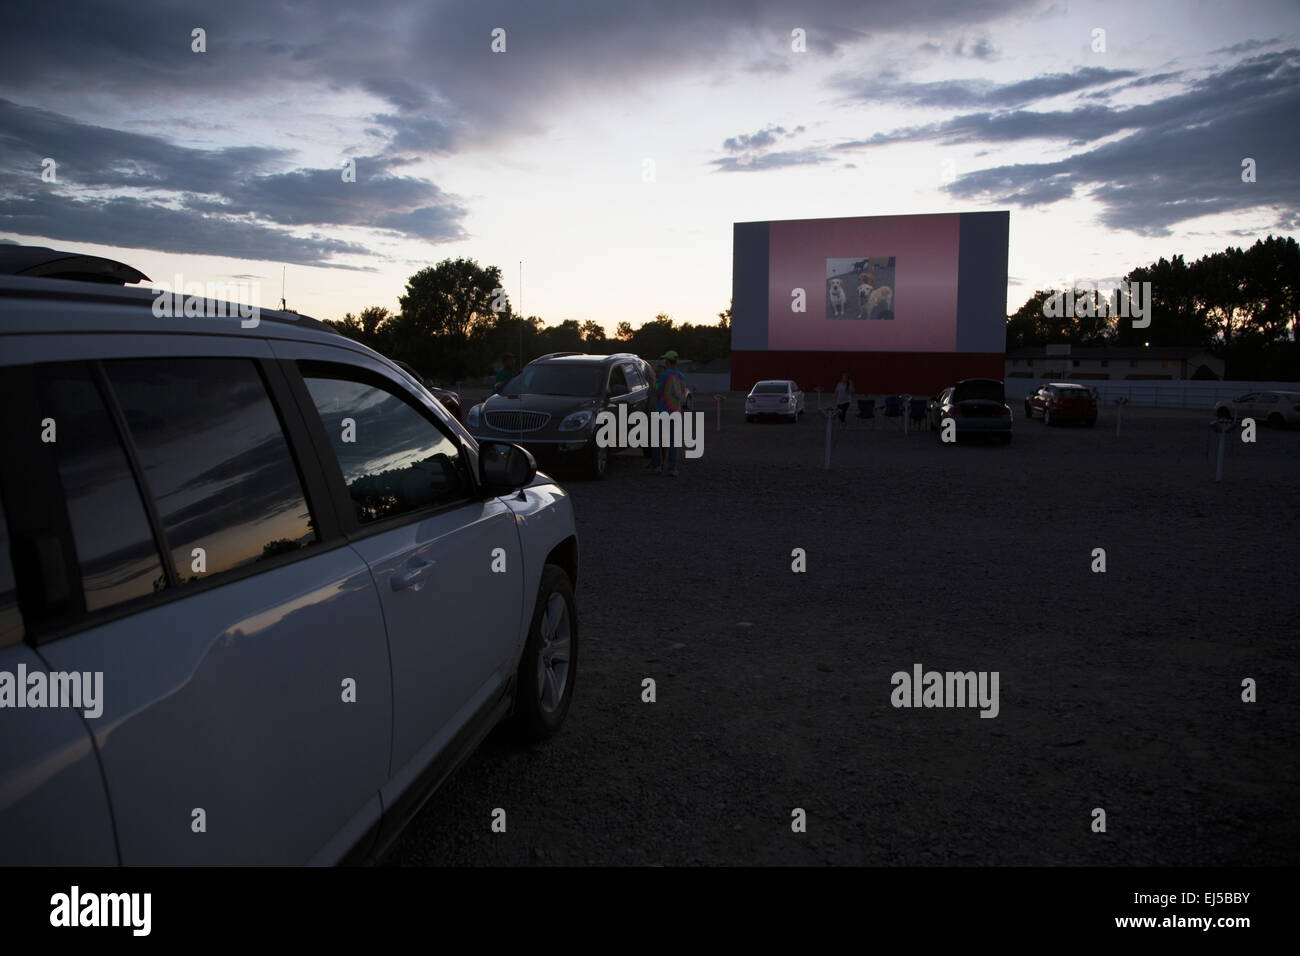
{"points": [[575, 467]]}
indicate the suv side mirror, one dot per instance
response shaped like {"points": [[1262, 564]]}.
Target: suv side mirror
{"points": [[504, 467], [618, 388]]}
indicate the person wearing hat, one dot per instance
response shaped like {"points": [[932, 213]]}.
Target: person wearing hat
{"points": [[505, 373], [670, 396]]}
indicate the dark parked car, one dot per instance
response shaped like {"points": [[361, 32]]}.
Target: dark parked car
{"points": [[977, 406], [551, 406], [449, 399], [1060, 402]]}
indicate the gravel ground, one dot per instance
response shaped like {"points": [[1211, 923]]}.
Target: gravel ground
{"points": [[1119, 690]]}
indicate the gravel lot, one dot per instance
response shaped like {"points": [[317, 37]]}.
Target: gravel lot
{"points": [[1119, 690]]}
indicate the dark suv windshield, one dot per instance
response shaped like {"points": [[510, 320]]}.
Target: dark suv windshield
{"points": [[557, 379], [988, 391]]}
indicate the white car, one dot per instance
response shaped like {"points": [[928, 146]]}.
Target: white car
{"points": [[777, 397], [1279, 409]]}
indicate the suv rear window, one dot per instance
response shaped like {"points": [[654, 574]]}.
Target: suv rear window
{"points": [[11, 618], [110, 528], [215, 459]]}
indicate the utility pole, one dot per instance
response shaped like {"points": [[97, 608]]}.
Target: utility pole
{"points": [[521, 314]]}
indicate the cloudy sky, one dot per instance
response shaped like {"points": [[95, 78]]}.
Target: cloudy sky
{"points": [[610, 146]]}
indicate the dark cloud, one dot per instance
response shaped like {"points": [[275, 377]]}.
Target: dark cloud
{"points": [[963, 94], [228, 183], [431, 60], [1182, 158], [136, 224], [980, 48], [760, 140], [1247, 46], [764, 161]]}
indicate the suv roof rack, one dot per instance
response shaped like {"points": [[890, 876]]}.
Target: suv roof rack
{"points": [[49, 263]]}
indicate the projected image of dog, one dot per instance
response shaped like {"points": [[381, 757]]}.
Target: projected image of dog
{"points": [[866, 283], [880, 303], [838, 297]]}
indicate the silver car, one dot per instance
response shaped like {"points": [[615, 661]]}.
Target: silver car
{"points": [[259, 591], [776, 398]]}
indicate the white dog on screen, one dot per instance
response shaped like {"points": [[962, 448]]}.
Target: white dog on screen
{"points": [[838, 297]]}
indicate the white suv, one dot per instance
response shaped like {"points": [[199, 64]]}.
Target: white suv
{"points": [[259, 592]]}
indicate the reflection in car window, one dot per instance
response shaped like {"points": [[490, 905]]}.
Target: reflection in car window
{"points": [[215, 460], [394, 460], [110, 529], [11, 618]]}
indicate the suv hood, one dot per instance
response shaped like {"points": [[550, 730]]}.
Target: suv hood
{"points": [[556, 405]]}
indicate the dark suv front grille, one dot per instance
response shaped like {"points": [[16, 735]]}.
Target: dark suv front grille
{"points": [[512, 420]]}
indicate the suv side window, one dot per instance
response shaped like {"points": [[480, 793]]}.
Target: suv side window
{"points": [[215, 459], [394, 460], [616, 377], [634, 379]]}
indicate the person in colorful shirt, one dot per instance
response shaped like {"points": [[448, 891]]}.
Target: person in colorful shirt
{"points": [[670, 396]]}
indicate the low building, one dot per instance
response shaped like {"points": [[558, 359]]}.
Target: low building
{"points": [[1102, 363]]}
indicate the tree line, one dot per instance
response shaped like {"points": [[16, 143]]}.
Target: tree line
{"points": [[1240, 305], [455, 323]]}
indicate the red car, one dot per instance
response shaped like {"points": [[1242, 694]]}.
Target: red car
{"points": [[1063, 402]]}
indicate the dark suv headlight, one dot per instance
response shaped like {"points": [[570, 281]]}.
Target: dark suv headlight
{"points": [[576, 421]]}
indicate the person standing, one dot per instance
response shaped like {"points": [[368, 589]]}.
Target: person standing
{"points": [[844, 395], [505, 373], [670, 396]]}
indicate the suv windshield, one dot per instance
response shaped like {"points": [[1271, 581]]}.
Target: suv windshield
{"points": [[988, 391], [557, 379]]}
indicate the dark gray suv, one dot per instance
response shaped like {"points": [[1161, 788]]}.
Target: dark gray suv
{"points": [[551, 407]]}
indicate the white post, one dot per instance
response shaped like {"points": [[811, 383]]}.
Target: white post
{"points": [[829, 416]]}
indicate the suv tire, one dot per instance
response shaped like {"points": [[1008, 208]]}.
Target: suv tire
{"points": [[543, 689]]}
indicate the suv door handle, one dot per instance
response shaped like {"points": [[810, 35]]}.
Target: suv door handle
{"points": [[413, 575]]}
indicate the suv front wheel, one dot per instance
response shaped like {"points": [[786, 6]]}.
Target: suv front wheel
{"points": [[597, 460], [550, 660]]}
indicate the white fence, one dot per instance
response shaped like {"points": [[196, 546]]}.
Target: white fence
{"points": [[1158, 394]]}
